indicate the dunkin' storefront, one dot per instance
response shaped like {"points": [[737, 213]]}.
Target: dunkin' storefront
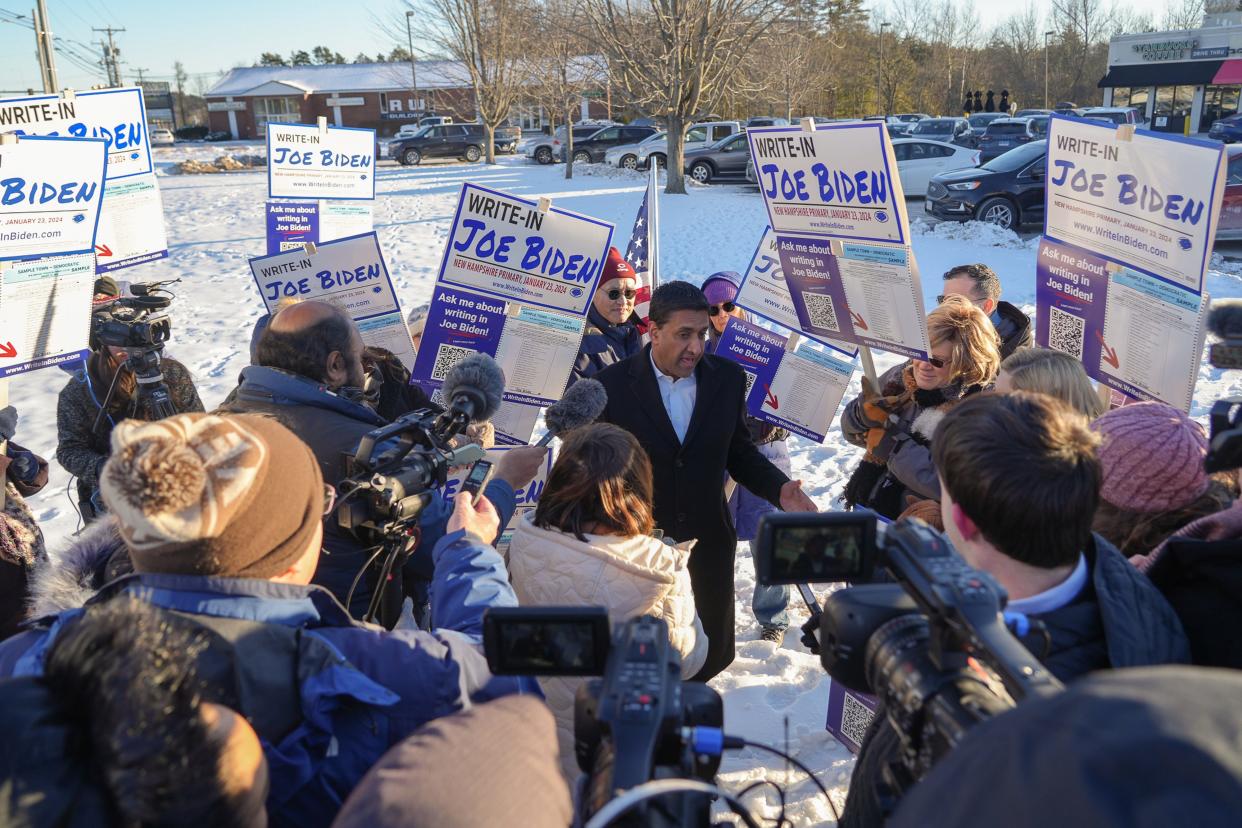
{"points": [[1181, 81]]}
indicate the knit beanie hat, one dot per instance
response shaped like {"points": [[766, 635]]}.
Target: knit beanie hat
{"points": [[722, 287], [616, 267], [1151, 456], [200, 494]]}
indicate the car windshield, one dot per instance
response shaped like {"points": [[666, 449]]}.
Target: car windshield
{"points": [[1039, 126], [1112, 117], [1018, 158], [983, 119], [934, 126], [1006, 129]]}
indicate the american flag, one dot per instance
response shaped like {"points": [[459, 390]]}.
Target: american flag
{"points": [[643, 252]]}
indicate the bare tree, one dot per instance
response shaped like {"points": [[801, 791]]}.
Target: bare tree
{"points": [[489, 38], [677, 57], [1182, 14], [562, 70]]}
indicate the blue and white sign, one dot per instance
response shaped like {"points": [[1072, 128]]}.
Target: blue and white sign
{"points": [[838, 181], [527, 496], [116, 116], [797, 390], [47, 312], [504, 246], [1147, 201], [306, 161], [51, 193], [349, 273]]}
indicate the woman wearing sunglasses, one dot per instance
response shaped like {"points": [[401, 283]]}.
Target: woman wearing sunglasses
{"points": [[897, 424], [769, 603], [612, 326]]}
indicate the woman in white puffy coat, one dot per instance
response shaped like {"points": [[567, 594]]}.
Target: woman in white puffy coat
{"points": [[589, 543]]}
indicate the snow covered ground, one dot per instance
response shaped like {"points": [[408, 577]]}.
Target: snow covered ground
{"points": [[216, 223]]}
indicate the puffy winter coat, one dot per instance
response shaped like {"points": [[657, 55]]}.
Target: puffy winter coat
{"points": [[604, 344], [631, 576]]}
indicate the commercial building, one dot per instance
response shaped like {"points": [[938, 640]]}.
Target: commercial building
{"points": [[1180, 81], [379, 96]]}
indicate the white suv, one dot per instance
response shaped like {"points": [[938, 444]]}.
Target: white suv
{"points": [[697, 137]]}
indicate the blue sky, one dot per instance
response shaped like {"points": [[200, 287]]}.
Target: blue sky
{"points": [[212, 36]]}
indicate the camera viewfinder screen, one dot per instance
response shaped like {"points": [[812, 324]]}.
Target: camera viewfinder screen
{"points": [[550, 648], [809, 554]]}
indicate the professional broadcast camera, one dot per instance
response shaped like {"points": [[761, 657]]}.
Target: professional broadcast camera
{"points": [[934, 646], [140, 325]]}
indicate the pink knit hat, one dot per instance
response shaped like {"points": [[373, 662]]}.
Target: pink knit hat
{"points": [[1151, 455]]}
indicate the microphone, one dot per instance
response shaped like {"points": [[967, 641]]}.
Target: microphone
{"points": [[472, 389], [1224, 321], [582, 404]]}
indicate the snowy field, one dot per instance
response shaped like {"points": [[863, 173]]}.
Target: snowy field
{"points": [[216, 223]]}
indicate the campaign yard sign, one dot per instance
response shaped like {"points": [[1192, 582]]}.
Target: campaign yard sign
{"points": [[115, 116], [45, 312], [765, 293], [291, 224], [349, 273], [506, 247], [527, 496], [131, 229], [1147, 200], [51, 195], [309, 161], [798, 390], [838, 180]]}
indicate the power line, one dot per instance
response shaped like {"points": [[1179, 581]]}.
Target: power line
{"points": [[110, 61]]}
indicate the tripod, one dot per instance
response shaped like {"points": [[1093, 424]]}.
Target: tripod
{"points": [[153, 393]]}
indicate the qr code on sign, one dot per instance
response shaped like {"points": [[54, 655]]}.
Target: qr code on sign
{"points": [[750, 383], [1065, 332], [820, 309], [855, 719], [446, 357]]}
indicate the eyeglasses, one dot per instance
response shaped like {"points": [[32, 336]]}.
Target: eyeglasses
{"points": [[727, 307], [940, 299], [617, 293], [935, 362], [329, 498]]}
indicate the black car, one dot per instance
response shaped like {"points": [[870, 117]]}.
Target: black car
{"points": [[591, 150], [948, 130], [978, 125], [1004, 134], [727, 158], [1007, 191], [465, 141]]}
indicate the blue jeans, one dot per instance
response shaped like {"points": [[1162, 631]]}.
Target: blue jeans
{"points": [[769, 603]]}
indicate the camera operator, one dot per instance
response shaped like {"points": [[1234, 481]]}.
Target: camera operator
{"points": [[309, 375], [101, 393], [222, 516], [1020, 481]]}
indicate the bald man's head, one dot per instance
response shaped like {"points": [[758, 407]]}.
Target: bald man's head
{"points": [[314, 340]]}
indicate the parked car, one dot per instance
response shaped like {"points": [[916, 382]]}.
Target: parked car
{"points": [[506, 137], [1113, 114], [918, 160], [898, 130], [542, 148], [407, 131], [1031, 113], [626, 155], [727, 158], [162, 138], [464, 141], [218, 135], [590, 150], [1229, 228], [1004, 134], [698, 136], [765, 121], [910, 117], [1007, 191], [949, 130], [979, 124], [435, 120], [1227, 129], [1039, 124]]}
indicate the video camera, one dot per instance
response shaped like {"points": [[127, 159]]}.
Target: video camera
{"points": [[1225, 446], [934, 645], [140, 325], [630, 727]]}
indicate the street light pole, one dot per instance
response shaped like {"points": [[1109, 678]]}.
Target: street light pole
{"points": [[413, 69], [1046, 36], [879, 68]]}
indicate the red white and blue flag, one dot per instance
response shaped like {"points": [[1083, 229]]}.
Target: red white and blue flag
{"points": [[643, 252]]}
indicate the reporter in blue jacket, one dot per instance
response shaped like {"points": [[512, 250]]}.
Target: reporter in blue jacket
{"points": [[222, 517]]}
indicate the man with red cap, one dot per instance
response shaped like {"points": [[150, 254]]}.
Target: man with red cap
{"points": [[612, 326]]}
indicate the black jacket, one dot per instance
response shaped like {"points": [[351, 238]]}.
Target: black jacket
{"points": [[1015, 329], [1202, 580], [605, 344], [689, 479]]}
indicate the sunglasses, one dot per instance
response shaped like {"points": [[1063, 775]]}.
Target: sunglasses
{"points": [[940, 299], [727, 307], [617, 293], [935, 362]]}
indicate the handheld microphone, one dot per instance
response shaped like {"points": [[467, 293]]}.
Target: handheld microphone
{"points": [[472, 390], [581, 405]]}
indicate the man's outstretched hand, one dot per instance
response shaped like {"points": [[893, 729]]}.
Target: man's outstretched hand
{"points": [[793, 499], [476, 515]]}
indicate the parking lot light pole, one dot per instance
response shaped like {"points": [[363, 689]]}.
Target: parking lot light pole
{"points": [[413, 69], [879, 69], [1046, 36]]}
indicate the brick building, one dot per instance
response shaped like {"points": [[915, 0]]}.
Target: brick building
{"points": [[376, 96]]}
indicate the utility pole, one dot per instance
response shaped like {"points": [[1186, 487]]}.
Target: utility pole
{"points": [[110, 62], [44, 31], [409, 36], [140, 73], [1046, 36]]}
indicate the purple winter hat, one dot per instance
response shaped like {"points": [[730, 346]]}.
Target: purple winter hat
{"points": [[722, 287], [1151, 456]]}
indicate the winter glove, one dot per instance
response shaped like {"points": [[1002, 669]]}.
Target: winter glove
{"points": [[872, 414], [8, 423]]}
